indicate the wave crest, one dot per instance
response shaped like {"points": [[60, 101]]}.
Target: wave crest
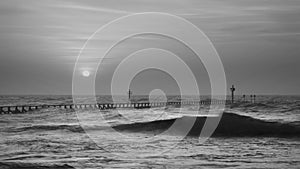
{"points": [[230, 125]]}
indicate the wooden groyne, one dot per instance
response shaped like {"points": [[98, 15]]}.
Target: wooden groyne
{"points": [[104, 106]]}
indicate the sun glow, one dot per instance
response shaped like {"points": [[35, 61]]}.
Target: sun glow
{"points": [[86, 73]]}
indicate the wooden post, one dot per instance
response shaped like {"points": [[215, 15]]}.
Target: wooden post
{"points": [[232, 93], [129, 94]]}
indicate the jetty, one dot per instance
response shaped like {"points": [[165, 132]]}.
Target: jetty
{"points": [[105, 106], [14, 109]]}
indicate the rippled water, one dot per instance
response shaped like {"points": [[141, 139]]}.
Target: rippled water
{"points": [[54, 137]]}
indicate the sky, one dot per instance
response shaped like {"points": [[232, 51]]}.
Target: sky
{"points": [[257, 41]]}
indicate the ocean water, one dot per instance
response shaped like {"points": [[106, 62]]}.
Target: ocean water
{"points": [[265, 134]]}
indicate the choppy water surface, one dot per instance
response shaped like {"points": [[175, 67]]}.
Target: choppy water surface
{"points": [[55, 138]]}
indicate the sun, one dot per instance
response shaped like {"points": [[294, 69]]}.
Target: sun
{"points": [[86, 73]]}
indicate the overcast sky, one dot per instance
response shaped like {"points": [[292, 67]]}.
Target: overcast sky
{"points": [[257, 40]]}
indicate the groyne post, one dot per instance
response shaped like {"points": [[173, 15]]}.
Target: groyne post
{"points": [[8, 110], [129, 94], [232, 93]]}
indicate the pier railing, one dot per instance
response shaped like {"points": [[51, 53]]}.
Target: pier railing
{"points": [[103, 106]]}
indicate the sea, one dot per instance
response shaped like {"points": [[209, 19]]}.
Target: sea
{"points": [[260, 134]]}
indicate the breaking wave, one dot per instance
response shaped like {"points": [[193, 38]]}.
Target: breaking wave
{"points": [[231, 125], [15, 165]]}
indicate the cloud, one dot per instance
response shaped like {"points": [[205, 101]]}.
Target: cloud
{"points": [[83, 7]]}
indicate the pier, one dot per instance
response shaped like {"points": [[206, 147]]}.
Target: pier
{"points": [[129, 105], [106, 106]]}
